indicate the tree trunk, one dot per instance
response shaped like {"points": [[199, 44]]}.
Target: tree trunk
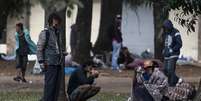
{"points": [[3, 24], [109, 10], [83, 22], [158, 22], [199, 39], [62, 93]]}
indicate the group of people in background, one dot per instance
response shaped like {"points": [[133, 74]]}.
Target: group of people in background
{"points": [[150, 74]]}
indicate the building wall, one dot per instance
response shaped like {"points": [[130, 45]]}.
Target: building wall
{"points": [[37, 21], [138, 29], [199, 40]]}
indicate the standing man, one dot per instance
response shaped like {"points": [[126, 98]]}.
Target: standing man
{"points": [[49, 57], [24, 46], [116, 37], [173, 44]]}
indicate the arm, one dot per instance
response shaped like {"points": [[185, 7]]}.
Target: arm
{"points": [[41, 47], [17, 41], [83, 79], [178, 44]]}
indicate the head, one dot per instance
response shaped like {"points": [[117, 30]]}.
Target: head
{"points": [[118, 19], [19, 27], [54, 20], [88, 66], [167, 26], [149, 66], [125, 50]]}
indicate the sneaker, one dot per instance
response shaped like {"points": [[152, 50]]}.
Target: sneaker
{"points": [[120, 70], [17, 79]]}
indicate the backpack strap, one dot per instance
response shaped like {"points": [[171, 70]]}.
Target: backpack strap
{"points": [[46, 41], [47, 37]]}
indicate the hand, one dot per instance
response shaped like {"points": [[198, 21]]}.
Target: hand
{"points": [[44, 67], [95, 73]]}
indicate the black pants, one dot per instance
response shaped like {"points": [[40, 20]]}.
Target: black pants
{"points": [[169, 70], [21, 62], [52, 83], [84, 92]]}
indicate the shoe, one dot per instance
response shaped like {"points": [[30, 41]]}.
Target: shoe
{"points": [[17, 79], [24, 80], [120, 70]]}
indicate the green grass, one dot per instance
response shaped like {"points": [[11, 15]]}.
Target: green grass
{"points": [[35, 96]]}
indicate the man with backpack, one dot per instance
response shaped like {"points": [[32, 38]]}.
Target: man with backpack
{"points": [[49, 54]]}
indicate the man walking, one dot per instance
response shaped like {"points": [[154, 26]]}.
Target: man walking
{"points": [[116, 37], [49, 56], [24, 46], [173, 44]]}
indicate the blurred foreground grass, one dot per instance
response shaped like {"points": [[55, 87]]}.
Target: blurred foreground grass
{"points": [[35, 96]]}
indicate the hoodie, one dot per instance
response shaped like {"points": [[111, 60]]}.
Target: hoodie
{"points": [[173, 42]]}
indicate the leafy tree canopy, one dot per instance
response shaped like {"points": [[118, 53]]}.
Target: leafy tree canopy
{"points": [[13, 7], [190, 9]]}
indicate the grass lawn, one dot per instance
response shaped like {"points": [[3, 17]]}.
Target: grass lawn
{"points": [[35, 96]]}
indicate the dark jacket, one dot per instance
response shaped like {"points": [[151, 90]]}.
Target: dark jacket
{"points": [[173, 42], [125, 59], [49, 50], [115, 33], [73, 36], [78, 78]]}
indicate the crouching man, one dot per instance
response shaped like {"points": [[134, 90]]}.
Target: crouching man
{"points": [[81, 83]]}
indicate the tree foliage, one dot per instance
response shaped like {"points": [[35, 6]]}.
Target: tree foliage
{"points": [[189, 10], [13, 7], [58, 5]]}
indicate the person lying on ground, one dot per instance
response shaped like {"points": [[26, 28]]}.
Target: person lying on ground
{"points": [[129, 61], [81, 83], [151, 84], [125, 57]]}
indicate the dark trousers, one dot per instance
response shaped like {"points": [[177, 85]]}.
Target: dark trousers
{"points": [[169, 70], [52, 83], [21, 61], [84, 92]]}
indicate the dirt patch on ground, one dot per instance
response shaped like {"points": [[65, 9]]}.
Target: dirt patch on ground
{"points": [[110, 81]]}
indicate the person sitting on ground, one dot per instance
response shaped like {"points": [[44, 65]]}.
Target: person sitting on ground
{"points": [[128, 60], [80, 86], [151, 84], [125, 57]]}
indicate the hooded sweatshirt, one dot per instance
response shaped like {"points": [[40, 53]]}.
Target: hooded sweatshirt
{"points": [[173, 42]]}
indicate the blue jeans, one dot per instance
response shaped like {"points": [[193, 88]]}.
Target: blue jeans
{"points": [[169, 70], [115, 54]]}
